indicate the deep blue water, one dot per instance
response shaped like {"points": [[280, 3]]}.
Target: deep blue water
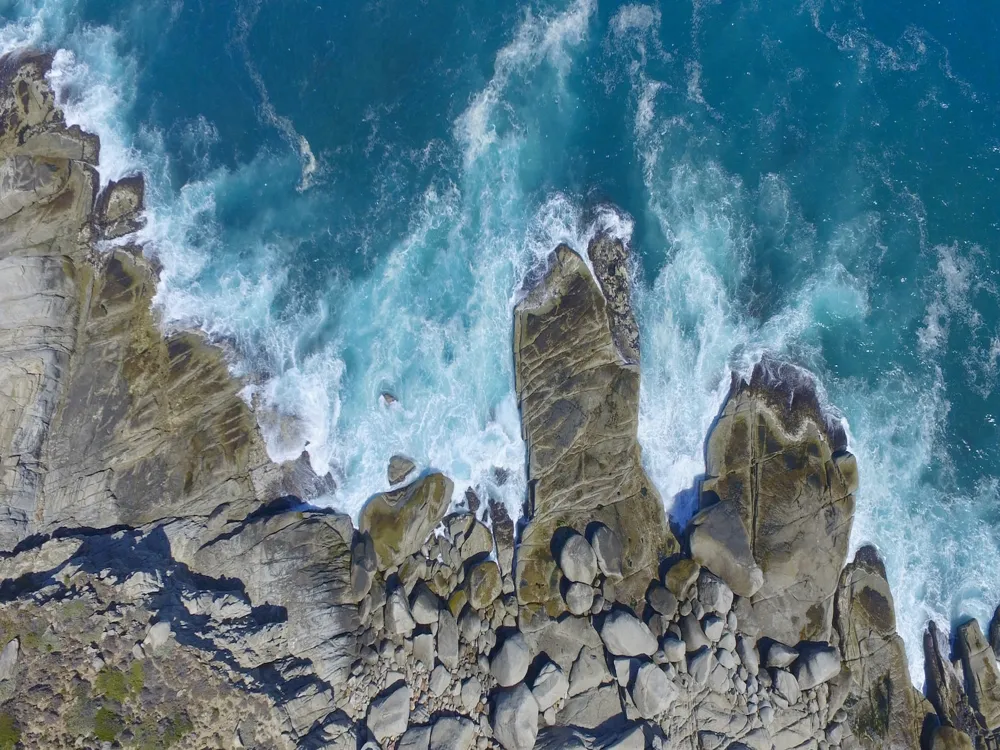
{"points": [[350, 193]]}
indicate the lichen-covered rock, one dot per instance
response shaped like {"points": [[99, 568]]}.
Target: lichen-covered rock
{"points": [[399, 521], [483, 584], [949, 738], [579, 407], [775, 457], [883, 711], [982, 676], [119, 207]]}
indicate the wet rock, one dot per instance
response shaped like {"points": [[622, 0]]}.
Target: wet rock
{"points": [[774, 458], [982, 676], [612, 267], [877, 690], [119, 207], [400, 467]]}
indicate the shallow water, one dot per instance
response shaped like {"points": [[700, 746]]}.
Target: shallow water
{"points": [[350, 194]]}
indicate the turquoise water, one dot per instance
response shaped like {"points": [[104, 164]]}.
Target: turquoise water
{"points": [[349, 195]]}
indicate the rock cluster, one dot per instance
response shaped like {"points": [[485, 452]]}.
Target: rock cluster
{"points": [[163, 584]]}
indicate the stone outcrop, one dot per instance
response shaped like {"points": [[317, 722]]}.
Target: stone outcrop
{"points": [[579, 400], [774, 459], [884, 711]]}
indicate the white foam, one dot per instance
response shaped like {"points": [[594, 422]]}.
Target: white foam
{"points": [[537, 39]]}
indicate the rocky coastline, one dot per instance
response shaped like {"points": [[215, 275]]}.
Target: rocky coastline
{"points": [[164, 584]]}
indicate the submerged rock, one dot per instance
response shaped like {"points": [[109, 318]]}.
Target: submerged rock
{"points": [[400, 467]]}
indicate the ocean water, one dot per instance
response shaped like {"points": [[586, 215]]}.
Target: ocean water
{"points": [[348, 195]]}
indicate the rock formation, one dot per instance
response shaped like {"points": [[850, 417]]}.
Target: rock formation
{"points": [[163, 584]]}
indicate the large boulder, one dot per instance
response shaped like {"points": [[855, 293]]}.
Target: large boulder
{"points": [[510, 662], [399, 521], [782, 465], [945, 685], [949, 738], [577, 560], [720, 542], [579, 400], [982, 677], [652, 692], [624, 634], [515, 718], [883, 708], [816, 665], [389, 713]]}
